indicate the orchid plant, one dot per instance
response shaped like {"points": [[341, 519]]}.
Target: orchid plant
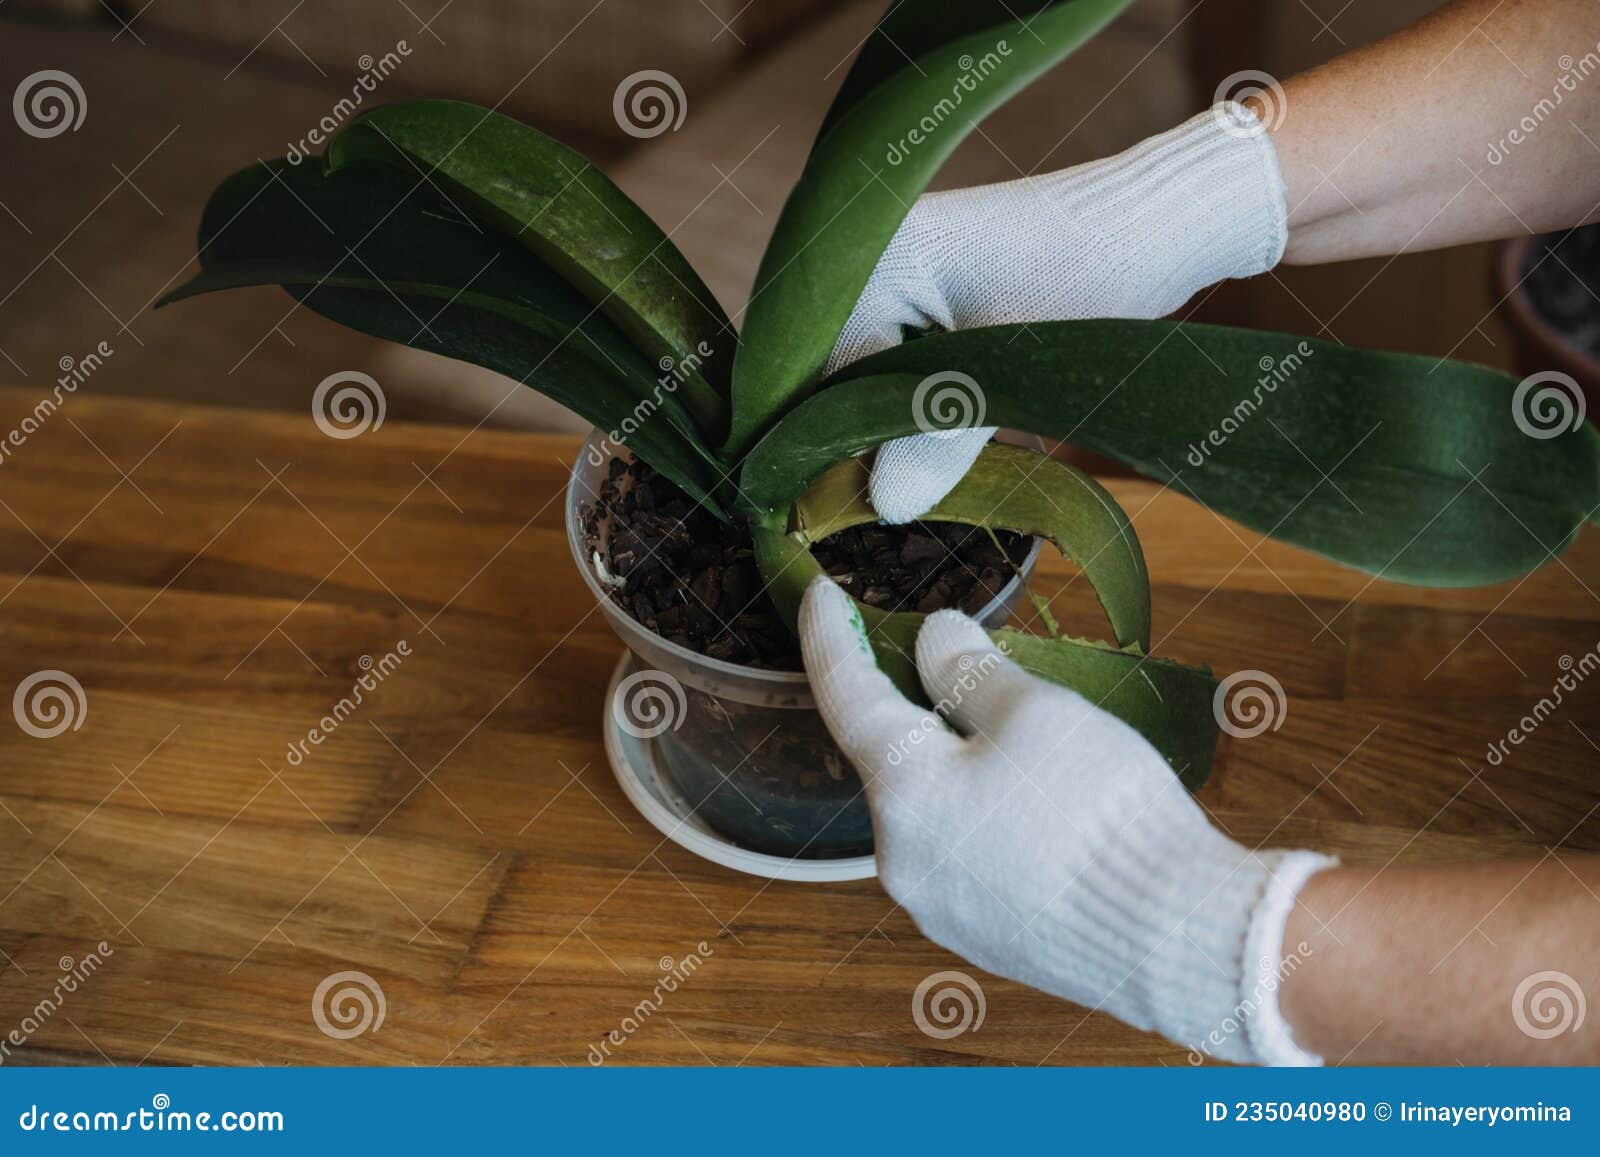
{"points": [[457, 230]]}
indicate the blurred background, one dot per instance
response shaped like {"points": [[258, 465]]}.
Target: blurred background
{"points": [[97, 222]]}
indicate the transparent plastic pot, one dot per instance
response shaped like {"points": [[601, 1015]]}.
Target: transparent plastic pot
{"points": [[744, 746]]}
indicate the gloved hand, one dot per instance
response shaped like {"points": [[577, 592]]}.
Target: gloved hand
{"points": [[1048, 842], [1134, 235]]}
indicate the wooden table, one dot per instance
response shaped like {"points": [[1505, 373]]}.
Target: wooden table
{"points": [[214, 579]]}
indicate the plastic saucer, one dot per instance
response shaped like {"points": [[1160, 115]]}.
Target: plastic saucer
{"points": [[633, 762]]}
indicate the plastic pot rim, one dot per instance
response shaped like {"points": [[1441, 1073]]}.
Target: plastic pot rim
{"points": [[629, 628]]}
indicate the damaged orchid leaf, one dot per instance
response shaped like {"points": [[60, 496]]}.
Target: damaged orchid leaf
{"points": [[1169, 703], [1011, 488]]}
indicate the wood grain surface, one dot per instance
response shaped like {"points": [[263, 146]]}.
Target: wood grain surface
{"points": [[213, 579]]}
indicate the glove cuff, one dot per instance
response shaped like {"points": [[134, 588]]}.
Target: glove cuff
{"points": [[1216, 914], [1214, 205], [1266, 966], [1230, 950], [1134, 235], [1169, 925]]}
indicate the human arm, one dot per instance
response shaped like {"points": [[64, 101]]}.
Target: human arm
{"points": [[1480, 963], [1047, 842], [1477, 122], [1415, 142]]}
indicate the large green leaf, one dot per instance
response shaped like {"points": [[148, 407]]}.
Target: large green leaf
{"points": [[892, 132], [1406, 468], [1170, 704], [276, 223], [1014, 489], [551, 199], [911, 29], [572, 380], [437, 281]]}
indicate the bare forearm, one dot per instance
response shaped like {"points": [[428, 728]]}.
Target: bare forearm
{"points": [[1478, 122], [1432, 963]]}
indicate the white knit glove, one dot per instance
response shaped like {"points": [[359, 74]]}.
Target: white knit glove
{"points": [[1050, 843], [1134, 235]]}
